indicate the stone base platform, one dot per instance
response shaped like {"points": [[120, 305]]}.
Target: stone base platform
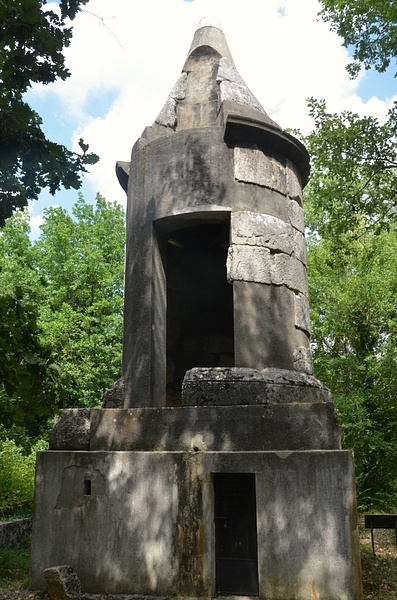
{"points": [[124, 522], [224, 409], [208, 386], [302, 426]]}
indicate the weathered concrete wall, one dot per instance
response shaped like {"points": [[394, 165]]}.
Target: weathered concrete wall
{"points": [[312, 529], [122, 536], [128, 530]]}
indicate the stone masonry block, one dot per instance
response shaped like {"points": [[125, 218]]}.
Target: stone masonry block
{"points": [[167, 116], [228, 72], [296, 216], [302, 319], [287, 270], [232, 91], [249, 263], [248, 416], [63, 583], [232, 86], [207, 386], [303, 360], [257, 264], [256, 229], [294, 184], [300, 247], [251, 165], [15, 533], [71, 429], [115, 395]]}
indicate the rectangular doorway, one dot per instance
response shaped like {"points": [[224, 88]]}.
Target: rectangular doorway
{"points": [[236, 549]]}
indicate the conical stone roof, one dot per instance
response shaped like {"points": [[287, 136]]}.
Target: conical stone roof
{"points": [[208, 82], [210, 92]]}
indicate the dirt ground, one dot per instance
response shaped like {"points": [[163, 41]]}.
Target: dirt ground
{"points": [[379, 571]]}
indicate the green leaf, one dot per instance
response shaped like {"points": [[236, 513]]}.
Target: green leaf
{"points": [[32, 41]]}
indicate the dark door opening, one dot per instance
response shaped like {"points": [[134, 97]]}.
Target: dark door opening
{"points": [[200, 329], [236, 553]]}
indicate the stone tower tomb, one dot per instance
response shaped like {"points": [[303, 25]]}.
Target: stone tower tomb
{"points": [[215, 465]]}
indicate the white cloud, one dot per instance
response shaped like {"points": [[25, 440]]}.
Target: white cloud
{"points": [[135, 51], [35, 223]]}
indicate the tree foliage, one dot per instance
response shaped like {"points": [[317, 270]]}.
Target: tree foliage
{"points": [[350, 208], [370, 26], [81, 260], [32, 39], [354, 172], [353, 291], [61, 296], [17, 478], [28, 366]]}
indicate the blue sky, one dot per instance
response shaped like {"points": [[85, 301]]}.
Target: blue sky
{"points": [[126, 56], [381, 85]]}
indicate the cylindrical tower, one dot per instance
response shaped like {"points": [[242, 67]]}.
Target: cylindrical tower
{"points": [[216, 263]]}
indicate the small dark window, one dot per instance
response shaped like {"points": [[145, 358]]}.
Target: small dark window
{"points": [[87, 487]]}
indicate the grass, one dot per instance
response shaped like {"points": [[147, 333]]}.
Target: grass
{"points": [[379, 571], [14, 571]]}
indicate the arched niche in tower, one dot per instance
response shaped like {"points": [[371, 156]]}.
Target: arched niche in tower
{"points": [[197, 318]]}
